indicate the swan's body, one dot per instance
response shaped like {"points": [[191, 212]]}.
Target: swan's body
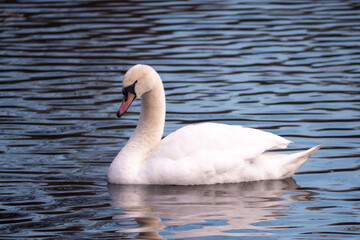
{"points": [[205, 153]]}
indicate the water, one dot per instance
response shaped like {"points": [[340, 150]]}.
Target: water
{"points": [[291, 68]]}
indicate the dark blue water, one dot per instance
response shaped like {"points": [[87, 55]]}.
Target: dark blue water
{"points": [[288, 67]]}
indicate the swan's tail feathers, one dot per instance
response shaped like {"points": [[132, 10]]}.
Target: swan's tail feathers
{"points": [[296, 160]]}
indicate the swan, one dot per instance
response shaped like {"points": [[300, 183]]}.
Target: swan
{"points": [[206, 153]]}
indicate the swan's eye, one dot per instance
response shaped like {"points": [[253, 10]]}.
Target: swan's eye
{"points": [[129, 89]]}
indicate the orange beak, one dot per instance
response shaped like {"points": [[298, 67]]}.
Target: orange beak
{"points": [[125, 104]]}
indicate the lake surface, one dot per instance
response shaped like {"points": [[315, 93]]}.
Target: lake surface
{"points": [[288, 67]]}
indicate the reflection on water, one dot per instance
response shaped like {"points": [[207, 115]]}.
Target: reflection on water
{"points": [[200, 211], [288, 67]]}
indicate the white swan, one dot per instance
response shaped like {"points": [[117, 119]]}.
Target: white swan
{"points": [[206, 153]]}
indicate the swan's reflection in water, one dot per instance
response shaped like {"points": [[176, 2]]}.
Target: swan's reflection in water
{"points": [[199, 211]]}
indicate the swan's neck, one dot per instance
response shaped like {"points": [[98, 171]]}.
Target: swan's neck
{"points": [[149, 130], [147, 135]]}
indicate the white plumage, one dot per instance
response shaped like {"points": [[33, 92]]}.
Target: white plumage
{"points": [[206, 153]]}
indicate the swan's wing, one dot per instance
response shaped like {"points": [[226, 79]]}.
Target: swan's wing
{"points": [[209, 153], [248, 143]]}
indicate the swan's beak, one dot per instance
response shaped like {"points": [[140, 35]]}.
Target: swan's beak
{"points": [[125, 104]]}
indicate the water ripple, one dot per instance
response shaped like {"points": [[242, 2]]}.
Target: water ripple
{"points": [[289, 67]]}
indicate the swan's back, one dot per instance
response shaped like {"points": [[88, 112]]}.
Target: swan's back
{"points": [[217, 137]]}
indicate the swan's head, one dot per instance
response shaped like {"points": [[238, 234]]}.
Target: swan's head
{"points": [[138, 80]]}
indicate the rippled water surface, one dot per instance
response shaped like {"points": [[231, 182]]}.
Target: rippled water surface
{"points": [[288, 67]]}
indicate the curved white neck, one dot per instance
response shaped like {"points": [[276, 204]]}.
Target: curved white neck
{"points": [[149, 130]]}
